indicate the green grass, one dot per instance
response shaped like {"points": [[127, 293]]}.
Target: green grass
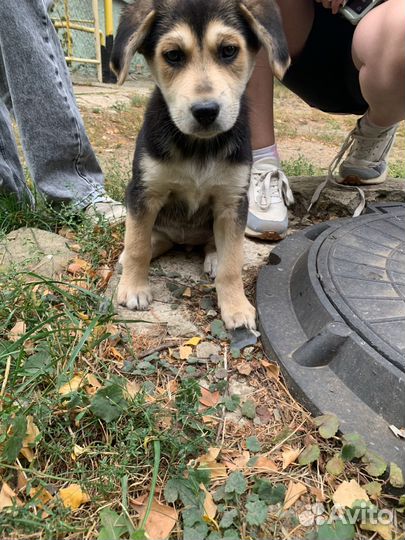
{"points": [[301, 166], [396, 169]]}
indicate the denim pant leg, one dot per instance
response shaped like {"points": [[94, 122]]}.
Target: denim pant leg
{"points": [[58, 153]]}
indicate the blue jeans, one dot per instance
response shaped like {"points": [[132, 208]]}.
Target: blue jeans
{"points": [[35, 86]]}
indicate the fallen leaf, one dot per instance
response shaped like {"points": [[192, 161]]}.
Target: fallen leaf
{"points": [[41, 496], [244, 368], [209, 399], [73, 385], [239, 462], [348, 493], [187, 292], [385, 530], [396, 478], [193, 341], [335, 465], [272, 369], [73, 496], [132, 388], [328, 424], [17, 331], [263, 463], [289, 456], [77, 451], [78, 266], [32, 432], [216, 470], [161, 520], [295, 490], [185, 352], [7, 497], [210, 508], [211, 455]]}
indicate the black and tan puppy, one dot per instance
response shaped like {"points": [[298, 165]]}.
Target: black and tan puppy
{"points": [[192, 159]]}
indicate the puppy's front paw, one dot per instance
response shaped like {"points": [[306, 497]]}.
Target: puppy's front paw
{"points": [[134, 297], [238, 313]]}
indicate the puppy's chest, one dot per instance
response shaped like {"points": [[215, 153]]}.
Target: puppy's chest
{"points": [[192, 183]]}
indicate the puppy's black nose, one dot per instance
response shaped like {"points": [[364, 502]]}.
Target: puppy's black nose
{"points": [[205, 112]]}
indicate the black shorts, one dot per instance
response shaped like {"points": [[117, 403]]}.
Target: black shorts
{"points": [[324, 74]]}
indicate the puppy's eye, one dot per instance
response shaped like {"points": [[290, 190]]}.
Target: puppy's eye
{"points": [[228, 52], [174, 57]]}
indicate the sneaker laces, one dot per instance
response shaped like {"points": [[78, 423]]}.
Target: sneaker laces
{"points": [[367, 146], [271, 186]]}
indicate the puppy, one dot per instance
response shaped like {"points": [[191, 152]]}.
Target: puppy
{"points": [[193, 156]]}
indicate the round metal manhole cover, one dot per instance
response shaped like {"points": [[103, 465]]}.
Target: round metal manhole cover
{"points": [[331, 306], [361, 267]]}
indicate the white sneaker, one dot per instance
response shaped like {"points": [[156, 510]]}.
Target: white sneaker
{"points": [[269, 195], [366, 162], [112, 211]]}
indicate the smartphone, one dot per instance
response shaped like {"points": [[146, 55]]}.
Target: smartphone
{"points": [[354, 10]]}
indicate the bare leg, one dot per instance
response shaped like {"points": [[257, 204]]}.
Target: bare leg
{"points": [[378, 53], [297, 19]]}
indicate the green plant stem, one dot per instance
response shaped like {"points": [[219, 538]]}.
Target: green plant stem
{"points": [[156, 462]]}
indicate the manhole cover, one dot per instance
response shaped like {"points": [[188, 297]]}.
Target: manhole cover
{"points": [[331, 307]]}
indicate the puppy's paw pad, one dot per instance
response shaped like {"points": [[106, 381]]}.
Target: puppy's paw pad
{"points": [[135, 298], [211, 264]]}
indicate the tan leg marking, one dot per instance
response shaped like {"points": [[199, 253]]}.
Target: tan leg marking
{"points": [[134, 290], [236, 309], [160, 243], [211, 259]]}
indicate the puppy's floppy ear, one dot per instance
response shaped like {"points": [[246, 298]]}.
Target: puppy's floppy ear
{"points": [[264, 19], [133, 28]]}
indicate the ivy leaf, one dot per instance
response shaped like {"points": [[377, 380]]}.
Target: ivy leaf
{"points": [[336, 465], [328, 425], [373, 489], [336, 531], [228, 518], [180, 488], [232, 402], [309, 455], [375, 464], [269, 493], [236, 483], [113, 526], [396, 478], [198, 532], [256, 511], [218, 329], [109, 403], [249, 409], [253, 444], [354, 446], [14, 443]]}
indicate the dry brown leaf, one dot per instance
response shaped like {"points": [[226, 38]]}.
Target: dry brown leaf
{"points": [[289, 456], [263, 463], [349, 492], [187, 292], [295, 490], [21, 480], [161, 520], [318, 493], [32, 432], [385, 530], [17, 331], [216, 470], [172, 387], [209, 399], [238, 462], [27, 453], [73, 385], [211, 455], [73, 496], [185, 352], [244, 368], [7, 497], [193, 341], [272, 369], [78, 266], [132, 388], [41, 495], [210, 508]]}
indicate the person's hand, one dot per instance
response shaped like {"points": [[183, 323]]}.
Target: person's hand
{"points": [[334, 5]]}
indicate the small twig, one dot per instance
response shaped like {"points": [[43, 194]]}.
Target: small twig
{"points": [[159, 348], [221, 427], [6, 374]]}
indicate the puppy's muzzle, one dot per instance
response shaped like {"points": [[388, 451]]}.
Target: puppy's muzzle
{"points": [[205, 112]]}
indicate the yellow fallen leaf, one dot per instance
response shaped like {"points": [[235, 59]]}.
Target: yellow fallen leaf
{"points": [[73, 385], [211, 455], [73, 496], [295, 490], [185, 352], [272, 369], [41, 496], [32, 432], [132, 388], [193, 341], [237, 462], [161, 520], [210, 508], [17, 331], [289, 456], [263, 463], [8, 497], [187, 292], [27, 453], [385, 530], [77, 451], [216, 470], [349, 492]]}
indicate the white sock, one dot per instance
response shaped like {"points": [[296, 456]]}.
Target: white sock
{"points": [[267, 152], [368, 128]]}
